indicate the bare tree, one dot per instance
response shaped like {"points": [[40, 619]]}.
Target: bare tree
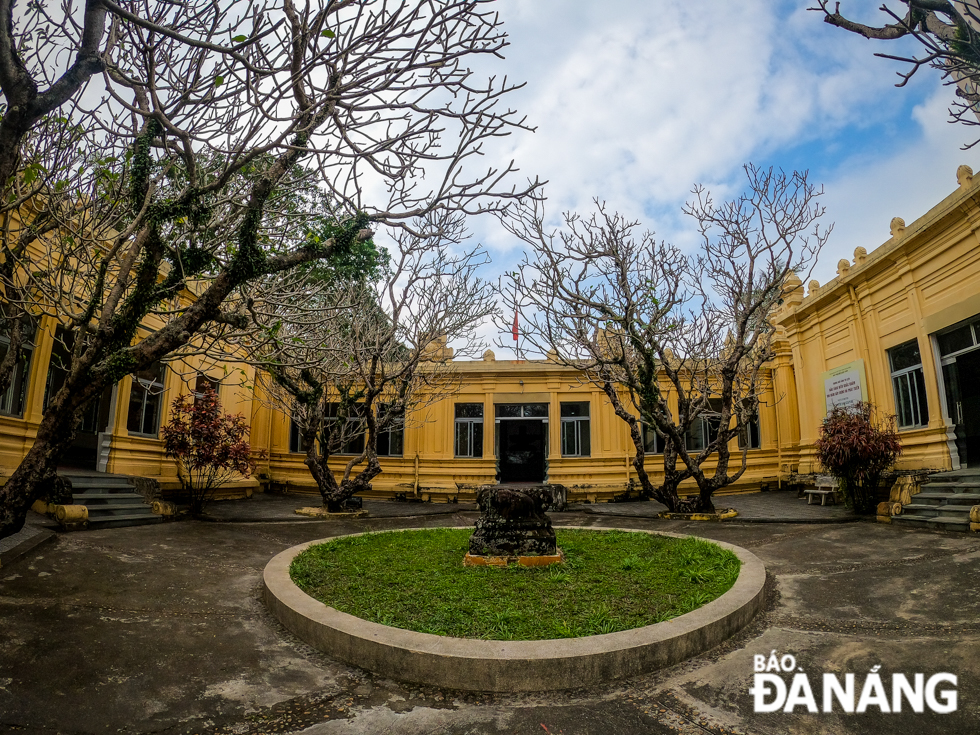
{"points": [[216, 135], [353, 361], [678, 343], [949, 32]]}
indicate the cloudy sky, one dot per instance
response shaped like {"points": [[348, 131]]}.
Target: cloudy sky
{"points": [[637, 100]]}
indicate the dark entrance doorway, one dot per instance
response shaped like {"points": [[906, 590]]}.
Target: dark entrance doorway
{"points": [[968, 429], [521, 441], [84, 452], [522, 450]]}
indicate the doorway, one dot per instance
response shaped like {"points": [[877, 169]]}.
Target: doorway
{"points": [[522, 442], [965, 407], [83, 454], [959, 349], [522, 454]]}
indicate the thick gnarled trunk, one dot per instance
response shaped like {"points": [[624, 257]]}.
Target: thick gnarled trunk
{"points": [[334, 493], [54, 436]]}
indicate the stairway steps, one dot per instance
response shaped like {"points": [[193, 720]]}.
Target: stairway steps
{"points": [[111, 501], [944, 502]]}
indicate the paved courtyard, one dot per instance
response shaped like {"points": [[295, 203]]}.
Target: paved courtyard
{"points": [[159, 629]]}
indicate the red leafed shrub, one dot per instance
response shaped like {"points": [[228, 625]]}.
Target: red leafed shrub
{"points": [[208, 447], [857, 446]]}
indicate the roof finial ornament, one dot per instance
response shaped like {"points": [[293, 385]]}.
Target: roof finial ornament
{"points": [[897, 227], [964, 176]]}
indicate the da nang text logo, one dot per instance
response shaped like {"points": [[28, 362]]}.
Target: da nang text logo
{"points": [[780, 685]]}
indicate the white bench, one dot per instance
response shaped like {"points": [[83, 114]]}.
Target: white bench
{"points": [[826, 487], [813, 492]]}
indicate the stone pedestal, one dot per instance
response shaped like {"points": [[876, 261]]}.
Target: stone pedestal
{"points": [[513, 523]]}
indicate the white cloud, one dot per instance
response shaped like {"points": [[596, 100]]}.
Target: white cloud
{"points": [[636, 101]]}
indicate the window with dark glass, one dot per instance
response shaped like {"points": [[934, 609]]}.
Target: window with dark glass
{"points": [[297, 444], [576, 438], [145, 400], [391, 443], [909, 385], [748, 435], [349, 433], [13, 399], [202, 383], [653, 443], [468, 428], [705, 428]]}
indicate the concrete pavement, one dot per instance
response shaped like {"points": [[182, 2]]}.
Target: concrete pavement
{"points": [[159, 629]]}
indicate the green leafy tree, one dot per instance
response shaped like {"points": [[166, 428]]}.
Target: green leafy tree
{"points": [[857, 446]]}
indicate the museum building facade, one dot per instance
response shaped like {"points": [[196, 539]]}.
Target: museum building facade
{"points": [[899, 326]]}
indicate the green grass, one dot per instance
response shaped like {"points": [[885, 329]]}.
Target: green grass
{"points": [[610, 581]]}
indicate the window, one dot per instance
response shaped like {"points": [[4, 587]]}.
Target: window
{"points": [[297, 444], [748, 432], [391, 443], [748, 435], [575, 437], [145, 398], [909, 385], [653, 443], [12, 400], [521, 410], [469, 430], [202, 383], [705, 428], [347, 437]]}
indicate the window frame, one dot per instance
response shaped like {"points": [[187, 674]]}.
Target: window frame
{"points": [[146, 388], [296, 441], [396, 429], [912, 379], [580, 427], [647, 430], [467, 424], [708, 423], [21, 378]]}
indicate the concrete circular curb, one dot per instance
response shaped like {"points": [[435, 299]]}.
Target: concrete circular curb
{"points": [[512, 666]]}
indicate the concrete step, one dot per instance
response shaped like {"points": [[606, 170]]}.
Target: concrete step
{"points": [[94, 498], [124, 520], [944, 524], [920, 509], [954, 511], [109, 481], [951, 487], [932, 498], [963, 499], [129, 508]]}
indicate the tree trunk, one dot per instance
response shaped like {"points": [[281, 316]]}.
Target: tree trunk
{"points": [[54, 436]]}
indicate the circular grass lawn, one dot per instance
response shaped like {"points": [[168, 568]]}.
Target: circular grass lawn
{"points": [[610, 581]]}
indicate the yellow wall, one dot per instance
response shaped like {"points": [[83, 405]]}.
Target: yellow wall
{"points": [[442, 476], [923, 279]]}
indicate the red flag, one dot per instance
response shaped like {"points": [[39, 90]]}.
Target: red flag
{"points": [[513, 330]]}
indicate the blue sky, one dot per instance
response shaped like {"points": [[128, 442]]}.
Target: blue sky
{"points": [[635, 101]]}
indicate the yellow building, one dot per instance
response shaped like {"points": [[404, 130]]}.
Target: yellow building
{"points": [[899, 326]]}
